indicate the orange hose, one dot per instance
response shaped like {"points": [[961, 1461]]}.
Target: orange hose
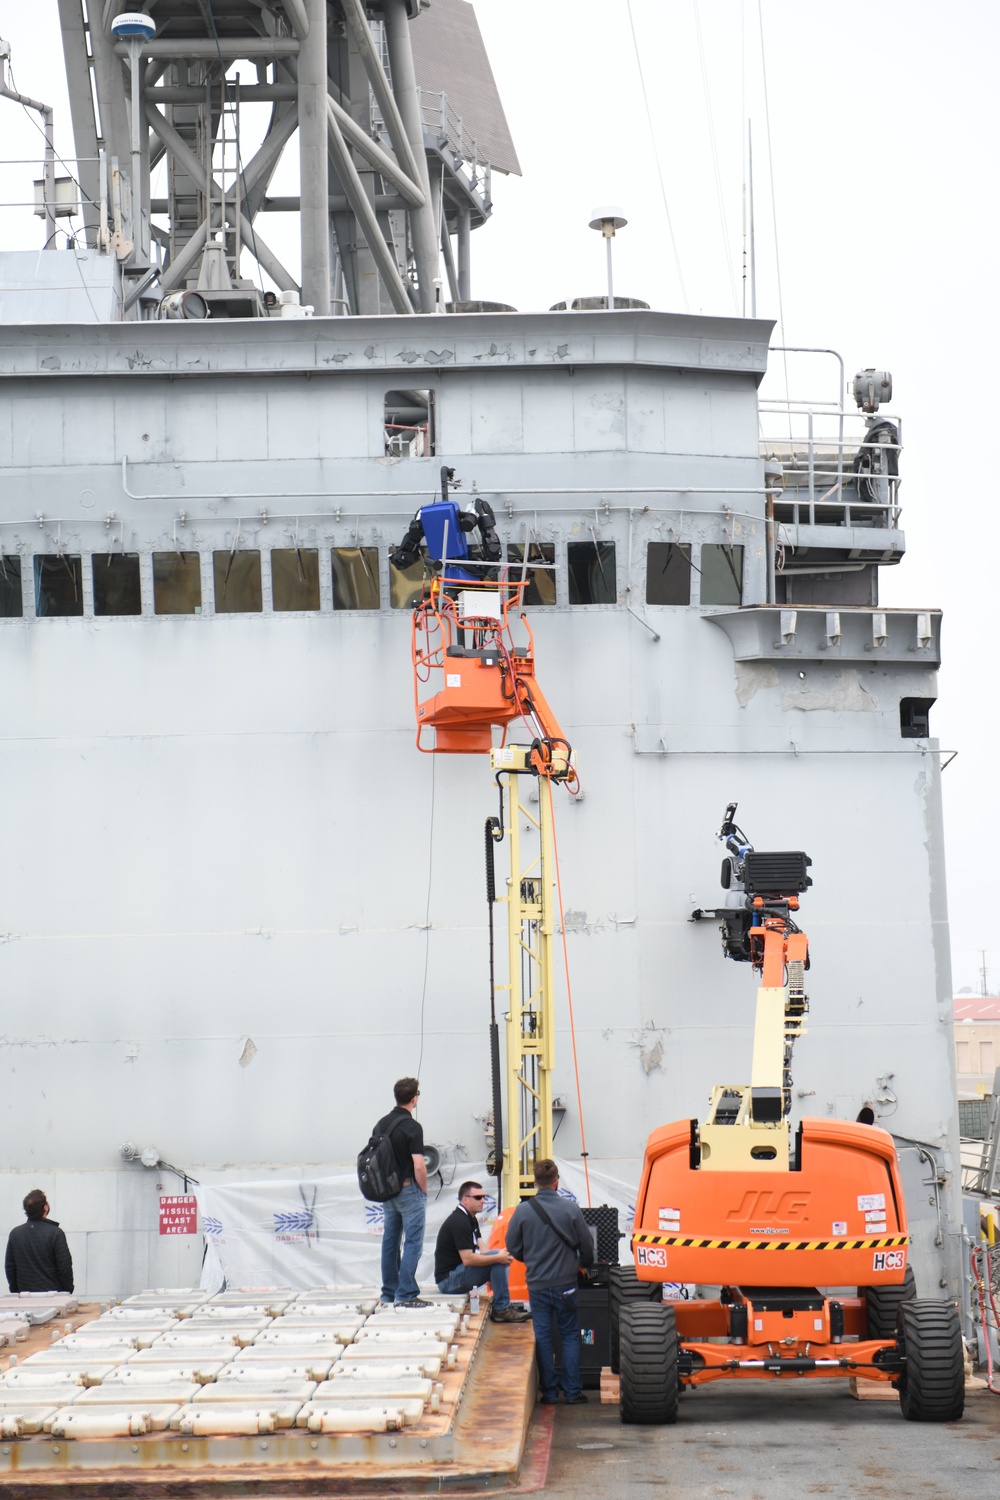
{"points": [[569, 992]]}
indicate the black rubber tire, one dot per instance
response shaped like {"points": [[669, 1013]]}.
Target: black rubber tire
{"points": [[883, 1304], [649, 1361], [932, 1386], [624, 1286]]}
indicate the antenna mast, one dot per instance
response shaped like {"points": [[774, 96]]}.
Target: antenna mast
{"points": [[753, 253], [388, 174]]}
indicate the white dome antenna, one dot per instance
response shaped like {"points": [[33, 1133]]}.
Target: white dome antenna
{"points": [[608, 218], [133, 23], [134, 28]]}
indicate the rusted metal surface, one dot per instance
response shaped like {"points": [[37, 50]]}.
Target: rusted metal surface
{"points": [[477, 1441]]}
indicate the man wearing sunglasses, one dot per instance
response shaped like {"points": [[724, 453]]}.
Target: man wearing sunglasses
{"points": [[460, 1264]]}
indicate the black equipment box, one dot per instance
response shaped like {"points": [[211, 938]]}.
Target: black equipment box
{"points": [[776, 873], [594, 1327]]}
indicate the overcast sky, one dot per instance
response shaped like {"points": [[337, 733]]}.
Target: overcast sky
{"points": [[881, 143]]}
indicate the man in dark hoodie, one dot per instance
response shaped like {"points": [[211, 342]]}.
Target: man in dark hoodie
{"points": [[38, 1258]]}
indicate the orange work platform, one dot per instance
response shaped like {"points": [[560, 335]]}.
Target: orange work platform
{"points": [[469, 676]]}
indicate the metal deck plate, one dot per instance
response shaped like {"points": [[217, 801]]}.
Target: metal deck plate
{"points": [[475, 1439]]}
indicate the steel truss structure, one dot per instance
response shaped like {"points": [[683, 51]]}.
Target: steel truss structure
{"points": [[389, 175]]}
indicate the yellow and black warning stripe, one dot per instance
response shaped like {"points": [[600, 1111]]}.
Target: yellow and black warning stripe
{"points": [[674, 1242]]}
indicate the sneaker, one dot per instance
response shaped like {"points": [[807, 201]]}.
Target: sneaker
{"points": [[548, 1400], [414, 1302], [576, 1400], [510, 1315]]}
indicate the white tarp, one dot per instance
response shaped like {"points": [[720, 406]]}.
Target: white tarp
{"points": [[320, 1231]]}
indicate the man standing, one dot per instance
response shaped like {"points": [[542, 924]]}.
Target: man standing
{"points": [[403, 1232], [460, 1263], [38, 1258], [552, 1237]]}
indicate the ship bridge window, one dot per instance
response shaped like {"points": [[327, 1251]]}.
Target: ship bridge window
{"points": [[117, 590], [237, 583], [295, 578], [11, 603], [409, 424], [58, 585], [915, 717], [668, 573], [721, 574], [540, 581], [176, 583], [406, 585], [591, 572], [355, 577]]}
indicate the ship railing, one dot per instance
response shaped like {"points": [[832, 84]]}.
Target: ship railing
{"points": [[816, 476], [976, 1174], [444, 130], [28, 190]]}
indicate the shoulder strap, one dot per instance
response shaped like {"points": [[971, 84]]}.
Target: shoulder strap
{"points": [[540, 1211]]}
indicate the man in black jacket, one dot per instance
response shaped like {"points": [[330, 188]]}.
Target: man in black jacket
{"points": [[38, 1258], [551, 1236]]}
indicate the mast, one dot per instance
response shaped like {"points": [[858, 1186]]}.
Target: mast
{"points": [[341, 74]]}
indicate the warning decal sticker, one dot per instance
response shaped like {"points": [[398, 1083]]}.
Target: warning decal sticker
{"points": [[891, 1242]]}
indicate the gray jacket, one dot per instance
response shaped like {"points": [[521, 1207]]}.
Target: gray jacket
{"points": [[549, 1262]]}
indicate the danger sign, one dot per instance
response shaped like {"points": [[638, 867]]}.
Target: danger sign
{"points": [[179, 1214]]}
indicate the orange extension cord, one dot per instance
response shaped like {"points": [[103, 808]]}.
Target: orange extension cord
{"points": [[569, 993]]}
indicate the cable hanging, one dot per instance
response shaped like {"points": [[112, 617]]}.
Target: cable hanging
{"points": [[656, 157], [569, 992]]}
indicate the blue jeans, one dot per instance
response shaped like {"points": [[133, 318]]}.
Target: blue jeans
{"points": [[557, 1307], [403, 1224], [464, 1278]]}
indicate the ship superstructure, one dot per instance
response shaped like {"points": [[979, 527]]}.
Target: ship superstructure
{"points": [[237, 903]]}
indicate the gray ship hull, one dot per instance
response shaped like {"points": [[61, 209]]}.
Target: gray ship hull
{"points": [[238, 903]]}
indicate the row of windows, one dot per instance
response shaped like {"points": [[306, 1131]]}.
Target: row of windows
{"points": [[237, 579]]}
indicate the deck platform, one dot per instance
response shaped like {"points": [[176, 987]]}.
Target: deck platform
{"points": [[475, 1440]]}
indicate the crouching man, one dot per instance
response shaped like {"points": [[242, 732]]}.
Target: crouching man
{"points": [[460, 1264]]}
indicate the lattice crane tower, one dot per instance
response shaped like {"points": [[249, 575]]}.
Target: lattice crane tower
{"points": [[398, 128]]}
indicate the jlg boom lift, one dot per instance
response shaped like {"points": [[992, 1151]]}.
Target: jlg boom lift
{"points": [[471, 676], [770, 1216]]}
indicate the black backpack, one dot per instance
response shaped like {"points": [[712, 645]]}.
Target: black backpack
{"points": [[379, 1176]]}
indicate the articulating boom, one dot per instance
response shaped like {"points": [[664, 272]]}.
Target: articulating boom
{"points": [[757, 927], [469, 676], [729, 1204]]}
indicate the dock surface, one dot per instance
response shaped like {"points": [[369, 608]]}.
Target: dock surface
{"points": [[743, 1441], [732, 1441]]}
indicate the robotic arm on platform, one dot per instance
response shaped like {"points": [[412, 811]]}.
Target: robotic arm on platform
{"points": [[444, 528]]}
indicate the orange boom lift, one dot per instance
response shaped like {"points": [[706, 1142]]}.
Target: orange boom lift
{"points": [[770, 1217], [470, 678]]}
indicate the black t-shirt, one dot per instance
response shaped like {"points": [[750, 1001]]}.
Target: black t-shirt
{"points": [[460, 1231], [407, 1137]]}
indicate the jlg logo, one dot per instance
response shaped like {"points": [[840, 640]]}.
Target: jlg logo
{"points": [[769, 1208]]}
